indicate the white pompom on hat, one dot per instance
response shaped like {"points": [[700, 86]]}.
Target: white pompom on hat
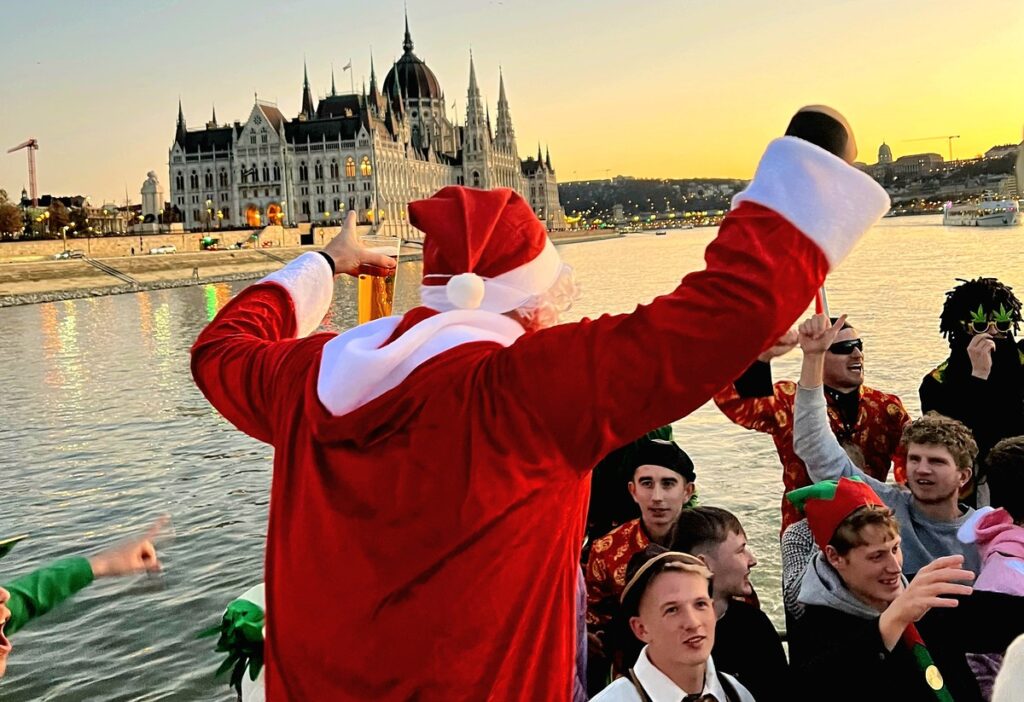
{"points": [[483, 249]]}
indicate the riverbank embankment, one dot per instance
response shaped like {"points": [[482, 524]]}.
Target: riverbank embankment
{"points": [[29, 283]]}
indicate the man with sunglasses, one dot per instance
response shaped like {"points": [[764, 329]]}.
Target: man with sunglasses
{"points": [[862, 418], [940, 458], [981, 383]]}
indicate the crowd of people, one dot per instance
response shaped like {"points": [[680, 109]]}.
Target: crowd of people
{"points": [[461, 508]]}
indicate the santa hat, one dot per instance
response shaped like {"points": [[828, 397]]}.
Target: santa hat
{"points": [[483, 249], [828, 503]]}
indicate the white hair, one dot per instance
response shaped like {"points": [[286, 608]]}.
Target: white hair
{"points": [[546, 309]]}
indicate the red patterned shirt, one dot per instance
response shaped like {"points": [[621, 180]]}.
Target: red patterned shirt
{"points": [[877, 431], [606, 571]]}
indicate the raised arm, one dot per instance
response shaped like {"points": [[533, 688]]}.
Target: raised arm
{"points": [[598, 384], [813, 440], [254, 346]]}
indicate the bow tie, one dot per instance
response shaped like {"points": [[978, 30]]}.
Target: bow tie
{"points": [[703, 697]]}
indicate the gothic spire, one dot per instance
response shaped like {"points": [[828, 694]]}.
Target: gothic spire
{"points": [[505, 134], [179, 132], [334, 91], [547, 157], [407, 44], [474, 89], [541, 160], [307, 93]]}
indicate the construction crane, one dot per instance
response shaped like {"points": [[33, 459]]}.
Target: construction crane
{"points": [[936, 138], [32, 146]]}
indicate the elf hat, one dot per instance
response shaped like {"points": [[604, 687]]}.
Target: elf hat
{"points": [[483, 249], [829, 502]]}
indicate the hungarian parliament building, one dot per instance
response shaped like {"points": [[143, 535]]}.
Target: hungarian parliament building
{"points": [[371, 153]]}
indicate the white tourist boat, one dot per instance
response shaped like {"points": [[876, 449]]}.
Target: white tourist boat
{"points": [[987, 213]]}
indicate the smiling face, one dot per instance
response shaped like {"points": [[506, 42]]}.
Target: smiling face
{"points": [[933, 475], [676, 619], [661, 494], [5, 645], [871, 570], [845, 372]]}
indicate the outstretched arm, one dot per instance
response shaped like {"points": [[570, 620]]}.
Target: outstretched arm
{"points": [[597, 384], [256, 340]]}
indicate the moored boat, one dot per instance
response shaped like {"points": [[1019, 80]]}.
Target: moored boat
{"points": [[987, 213]]}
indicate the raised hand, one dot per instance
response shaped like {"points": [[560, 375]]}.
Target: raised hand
{"points": [[784, 344], [980, 352], [935, 585], [350, 255], [136, 555], [825, 127], [817, 333]]}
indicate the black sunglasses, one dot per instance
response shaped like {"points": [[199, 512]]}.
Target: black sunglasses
{"points": [[845, 348], [1003, 327]]}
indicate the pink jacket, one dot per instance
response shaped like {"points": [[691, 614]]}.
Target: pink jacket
{"points": [[1001, 547]]}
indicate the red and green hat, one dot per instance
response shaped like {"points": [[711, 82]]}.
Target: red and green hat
{"points": [[828, 503]]}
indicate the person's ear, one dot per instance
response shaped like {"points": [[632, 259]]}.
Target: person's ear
{"points": [[688, 491], [636, 625], [631, 486], [833, 557]]}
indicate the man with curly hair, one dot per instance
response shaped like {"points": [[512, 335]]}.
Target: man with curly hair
{"points": [[940, 460], [982, 382]]}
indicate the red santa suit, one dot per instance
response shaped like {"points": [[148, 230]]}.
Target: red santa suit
{"points": [[431, 471]]}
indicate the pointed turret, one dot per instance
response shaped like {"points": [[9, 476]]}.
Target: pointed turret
{"points": [[490, 132], [307, 94], [334, 91], [179, 132], [505, 137], [547, 158], [375, 97], [539, 159], [407, 43]]}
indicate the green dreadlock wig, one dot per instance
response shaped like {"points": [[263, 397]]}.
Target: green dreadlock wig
{"points": [[980, 298]]}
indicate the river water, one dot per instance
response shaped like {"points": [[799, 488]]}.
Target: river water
{"points": [[102, 430]]}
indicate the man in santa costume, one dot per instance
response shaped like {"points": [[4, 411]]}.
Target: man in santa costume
{"points": [[431, 471]]}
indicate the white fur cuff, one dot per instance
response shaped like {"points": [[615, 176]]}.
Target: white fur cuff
{"points": [[309, 281], [824, 197]]}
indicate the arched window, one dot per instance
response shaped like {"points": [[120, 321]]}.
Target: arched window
{"points": [[318, 170], [320, 206], [266, 171], [350, 167], [193, 180], [334, 169], [352, 203], [223, 178], [277, 171], [364, 166], [303, 171], [337, 204], [179, 181], [476, 179], [208, 179]]}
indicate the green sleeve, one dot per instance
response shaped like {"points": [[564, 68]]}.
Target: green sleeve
{"points": [[40, 591]]}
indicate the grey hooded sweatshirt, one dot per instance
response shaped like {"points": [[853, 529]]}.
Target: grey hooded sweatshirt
{"points": [[923, 539]]}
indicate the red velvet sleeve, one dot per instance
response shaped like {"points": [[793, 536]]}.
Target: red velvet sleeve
{"points": [[595, 385], [247, 356]]}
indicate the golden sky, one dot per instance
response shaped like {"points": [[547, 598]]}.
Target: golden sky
{"points": [[648, 88]]}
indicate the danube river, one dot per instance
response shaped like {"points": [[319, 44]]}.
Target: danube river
{"points": [[103, 430]]}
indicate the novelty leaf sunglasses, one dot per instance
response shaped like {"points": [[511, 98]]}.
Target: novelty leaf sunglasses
{"points": [[981, 320]]}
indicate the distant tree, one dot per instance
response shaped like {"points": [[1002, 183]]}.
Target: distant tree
{"points": [[59, 217], [80, 218], [11, 219], [3, 196]]}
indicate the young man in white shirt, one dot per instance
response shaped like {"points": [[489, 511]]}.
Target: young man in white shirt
{"points": [[668, 598]]}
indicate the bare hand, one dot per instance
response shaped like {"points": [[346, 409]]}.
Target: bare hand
{"points": [[136, 555], [935, 585], [980, 351], [818, 333], [849, 149], [349, 254], [784, 344]]}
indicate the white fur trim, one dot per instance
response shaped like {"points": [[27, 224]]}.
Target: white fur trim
{"points": [[309, 282], [824, 197], [355, 368], [968, 531], [508, 291]]}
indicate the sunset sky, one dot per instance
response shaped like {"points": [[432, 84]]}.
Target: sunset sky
{"points": [[648, 88]]}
